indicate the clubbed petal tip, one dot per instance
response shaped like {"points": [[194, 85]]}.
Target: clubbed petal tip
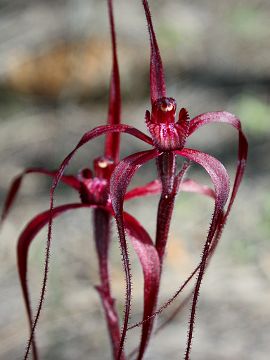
{"points": [[166, 133]]}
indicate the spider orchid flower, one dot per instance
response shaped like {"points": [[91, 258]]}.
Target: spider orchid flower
{"points": [[105, 191], [93, 190], [168, 140]]}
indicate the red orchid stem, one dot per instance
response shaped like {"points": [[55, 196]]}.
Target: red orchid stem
{"points": [[102, 234], [112, 142], [157, 82], [166, 170], [170, 184]]}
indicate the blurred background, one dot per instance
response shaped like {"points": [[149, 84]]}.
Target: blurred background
{"points": [[55, 60]]}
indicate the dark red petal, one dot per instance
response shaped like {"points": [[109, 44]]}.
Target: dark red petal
{"points": [[228, 118], [123, 174], [16, 184], [114, 113], [149, 260], [187, 186], [98, 131], [152, 188], [120, 180], [215, 169], [157, 82], [24, 242], [220, 180], [225, 117]]}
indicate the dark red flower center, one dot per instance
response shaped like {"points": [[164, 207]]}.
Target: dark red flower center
{"points": [[166, 133], [95, 189]]}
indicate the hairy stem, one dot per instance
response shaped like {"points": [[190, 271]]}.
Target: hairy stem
{"points": [[102, 235]]}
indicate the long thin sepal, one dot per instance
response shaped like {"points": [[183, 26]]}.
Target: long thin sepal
{"points": [[152, 188], [149, 260], [16, 184], [157, 82], [189, 185], [120, 180], [112, 142], [24, 242], [220, 180]]}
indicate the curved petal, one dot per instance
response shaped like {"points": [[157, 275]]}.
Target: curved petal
{"points": [[24, 242], [149, 260], [69, 180], [216, 171], [220, 180], [228, 118], [90, 135], [120, 180], [188, 186]]}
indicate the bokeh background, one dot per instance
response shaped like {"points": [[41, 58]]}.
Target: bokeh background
{"points": [[54, 74]]}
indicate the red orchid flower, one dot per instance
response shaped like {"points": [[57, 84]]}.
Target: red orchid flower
{"points": [[94, 193], [168, 140], [105, 192]]}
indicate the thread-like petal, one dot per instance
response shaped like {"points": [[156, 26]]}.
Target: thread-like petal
{"points": [[192, 186], [152, 188], [227, 118], [220, 180], [120, 180], [112, 142], [14, 188], [149, 260], [140, 240], [24, 242], [98, 131]]}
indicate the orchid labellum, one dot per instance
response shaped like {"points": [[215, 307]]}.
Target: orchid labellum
{"points": [[104, 191]]}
